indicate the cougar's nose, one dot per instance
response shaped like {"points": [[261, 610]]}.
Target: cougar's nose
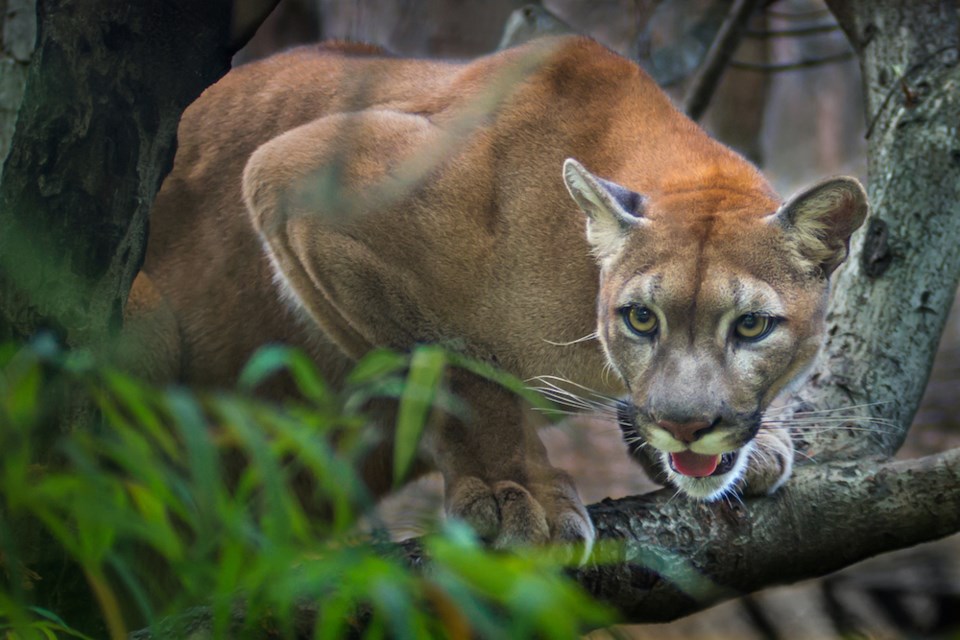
{"points": [[686, 431]]}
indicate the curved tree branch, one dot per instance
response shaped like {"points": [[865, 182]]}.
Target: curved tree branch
{"points": [[678, 557], [665, 557]]}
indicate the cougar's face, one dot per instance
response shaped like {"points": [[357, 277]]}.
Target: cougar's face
{"points": [[705, 333], [711, 301]]}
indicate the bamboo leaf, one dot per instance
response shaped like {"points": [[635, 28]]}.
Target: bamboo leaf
{"points": [[426, 374]]}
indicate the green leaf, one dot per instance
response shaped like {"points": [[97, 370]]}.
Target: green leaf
{"points": [[58, 624], [272, 359], [21, 403], [377, 364], [505, 380], [266, 362], [426, 374], [49, 615]]}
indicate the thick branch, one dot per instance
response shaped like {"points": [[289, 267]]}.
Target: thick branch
{"points": [[678, 557], [705, 82], [668, 557]]}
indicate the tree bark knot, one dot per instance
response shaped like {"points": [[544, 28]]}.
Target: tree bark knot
{"points": [[876, 256], [919, 74]]}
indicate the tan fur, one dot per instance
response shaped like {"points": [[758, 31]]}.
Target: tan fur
{"points": [[338, 200]]}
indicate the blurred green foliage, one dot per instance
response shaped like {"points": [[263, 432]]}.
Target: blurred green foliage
{"points": [[151, 509]]}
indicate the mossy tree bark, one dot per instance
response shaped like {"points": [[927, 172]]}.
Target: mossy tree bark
{"points": [[95, 136], [16, 47]]}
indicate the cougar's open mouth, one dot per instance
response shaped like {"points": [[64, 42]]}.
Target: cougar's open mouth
{"points": [[698, 465]]}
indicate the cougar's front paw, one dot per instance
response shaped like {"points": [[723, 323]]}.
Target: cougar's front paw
{"points": [[510, 514], [770, 464]]}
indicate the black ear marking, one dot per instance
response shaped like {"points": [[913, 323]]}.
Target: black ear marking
{"points": [[630, 201], [613, 212]]}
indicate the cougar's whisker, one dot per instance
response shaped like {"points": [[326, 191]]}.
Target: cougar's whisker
{"points": [[829, 418], [606, 371], [562, 399], [830, 421], [838, 427], [673, 497], [562, 412], [586, 338], [563, 396], [736, 496], [551, 380], [821, 419], [880, 426], [784, 408]]}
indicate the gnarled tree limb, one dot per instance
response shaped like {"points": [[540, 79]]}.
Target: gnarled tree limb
{"points": [[679, 557]]}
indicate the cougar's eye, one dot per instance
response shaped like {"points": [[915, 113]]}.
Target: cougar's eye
{"points": [[641, 320], [752, 327]]}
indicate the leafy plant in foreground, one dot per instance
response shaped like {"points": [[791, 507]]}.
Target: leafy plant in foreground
{"points": [[183, 500]]}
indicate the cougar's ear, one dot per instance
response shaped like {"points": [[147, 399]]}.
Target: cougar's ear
{"points": [[612, 211], [821, 219]]}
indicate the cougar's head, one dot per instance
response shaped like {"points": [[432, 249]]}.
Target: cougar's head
{"points": [[711, 302]]}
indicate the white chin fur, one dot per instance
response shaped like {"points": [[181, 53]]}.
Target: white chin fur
{"points": [[710, 488]]}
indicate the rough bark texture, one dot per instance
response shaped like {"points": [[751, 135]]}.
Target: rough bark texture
{"points": [[894, 295], [680, 557], [16, 48], [95, 137]]}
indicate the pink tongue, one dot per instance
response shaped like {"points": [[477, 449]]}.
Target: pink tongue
{"points": [[694, 464]]}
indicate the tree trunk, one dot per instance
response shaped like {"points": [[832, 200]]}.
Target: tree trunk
{"points": [[894, 295], [17, 40], [94, 138]]}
